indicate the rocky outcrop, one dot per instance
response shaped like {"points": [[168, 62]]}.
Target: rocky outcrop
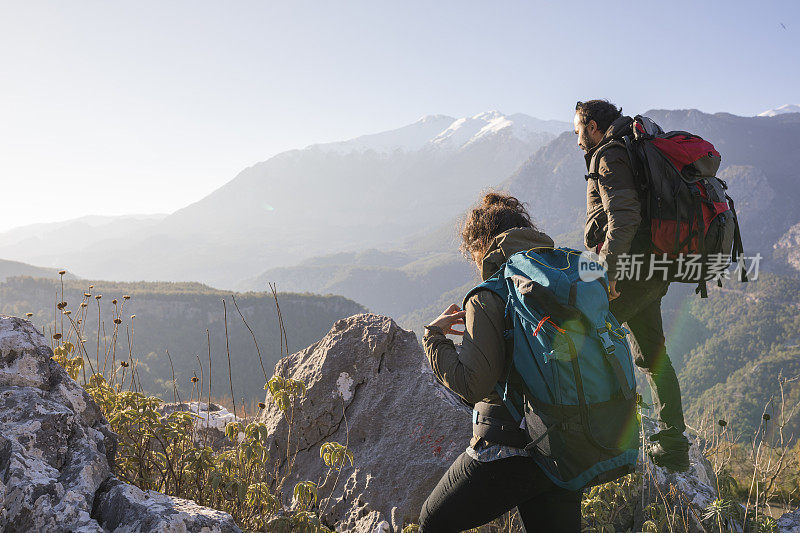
{"points": [[684, 495], [787, 249], [124, 508], [56, 452], [369, 386], [56, 446], [789, 522], [209, 424]]}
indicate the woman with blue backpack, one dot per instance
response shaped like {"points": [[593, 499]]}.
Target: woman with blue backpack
{"points": [[495, 474], [545, 424]]}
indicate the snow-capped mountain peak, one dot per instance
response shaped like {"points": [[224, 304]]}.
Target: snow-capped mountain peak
{"points": [[465, 131], [448, 133], [787, 108], [426, 119]]}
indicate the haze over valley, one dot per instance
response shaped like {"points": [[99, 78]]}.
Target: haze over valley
{"points": [[374, 220]]}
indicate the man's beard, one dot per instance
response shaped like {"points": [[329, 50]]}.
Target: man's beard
{"points": [[588, 144]]}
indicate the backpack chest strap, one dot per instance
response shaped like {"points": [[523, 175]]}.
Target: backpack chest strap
{"points": [[609, 348]]}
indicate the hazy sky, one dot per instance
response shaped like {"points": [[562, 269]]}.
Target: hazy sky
{"points": [[146, 106]]}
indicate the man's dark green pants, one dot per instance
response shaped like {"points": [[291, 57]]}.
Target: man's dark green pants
{"points": [[639, 306]]}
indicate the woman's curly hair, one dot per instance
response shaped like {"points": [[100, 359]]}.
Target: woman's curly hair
{"points": [[495, 214]]}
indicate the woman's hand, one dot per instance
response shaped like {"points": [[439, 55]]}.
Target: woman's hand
{"points": [[452, 315]]}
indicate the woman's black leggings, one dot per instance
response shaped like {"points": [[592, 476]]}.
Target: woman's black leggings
{"points": [[472, 493]]}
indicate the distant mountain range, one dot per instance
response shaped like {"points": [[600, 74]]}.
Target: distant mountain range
{"points": [[323, 199], [760, 162], [391, 283], [402, 189], [15, 268], [55, 243], [442, 131]]}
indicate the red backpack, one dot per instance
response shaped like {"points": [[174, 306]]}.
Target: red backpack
{"points": [[690, 221]]}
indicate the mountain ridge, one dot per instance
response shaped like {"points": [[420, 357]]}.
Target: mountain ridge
{"points": [[443, 131], [317, 200], [758, 165]]}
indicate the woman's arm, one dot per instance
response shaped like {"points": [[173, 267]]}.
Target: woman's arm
{"points": [[472, 373]]}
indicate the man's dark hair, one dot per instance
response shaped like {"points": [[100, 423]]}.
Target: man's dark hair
{"points": [[496, 213], [602, 112]]}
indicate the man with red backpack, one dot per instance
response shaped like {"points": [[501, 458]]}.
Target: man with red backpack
{"points": [[615, 230]]}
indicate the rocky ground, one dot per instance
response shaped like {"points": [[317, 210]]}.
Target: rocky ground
{"points": [[369, 387]]}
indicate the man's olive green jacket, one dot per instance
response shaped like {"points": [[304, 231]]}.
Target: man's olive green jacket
{"points": [[613, 208], [473, 371]]}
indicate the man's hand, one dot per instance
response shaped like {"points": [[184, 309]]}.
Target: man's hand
{"points": [[612, 290], [452, 315]]}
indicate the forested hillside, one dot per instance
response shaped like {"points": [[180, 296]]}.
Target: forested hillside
{"points": [[730, 349], [174, 317]]}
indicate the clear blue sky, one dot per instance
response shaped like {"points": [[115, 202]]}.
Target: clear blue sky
{"points": [[146, 106]]}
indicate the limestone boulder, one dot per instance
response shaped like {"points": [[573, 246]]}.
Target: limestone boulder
{"points": [[789, 522], [57, 452], [123, 508], [369, 387]]}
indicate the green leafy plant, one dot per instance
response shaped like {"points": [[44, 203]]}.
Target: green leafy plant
{"points": [[63, 355], [284, 390], [305, 494], [722, 513], [334, 455], [603, 505]]}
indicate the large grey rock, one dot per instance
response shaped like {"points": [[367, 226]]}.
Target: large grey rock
{"points": [[369, 385], [56, 452], [789, 522], [124, 508], [56, 446]]}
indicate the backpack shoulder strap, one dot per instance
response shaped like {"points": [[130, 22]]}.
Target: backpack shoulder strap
{"points": [[496, 284], [595, 161], [632, 157], [738, 248], [499, 286]]}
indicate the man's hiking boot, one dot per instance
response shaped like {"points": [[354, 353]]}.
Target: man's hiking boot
{"points": [[669, 450]]}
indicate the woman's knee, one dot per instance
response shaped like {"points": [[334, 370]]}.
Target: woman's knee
{"points": [[438, 514], [429, 520]]}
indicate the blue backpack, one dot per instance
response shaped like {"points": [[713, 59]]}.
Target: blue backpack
{"points": [[570, 375]]}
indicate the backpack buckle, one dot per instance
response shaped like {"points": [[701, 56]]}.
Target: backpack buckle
{"points": [[608, 344]]}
